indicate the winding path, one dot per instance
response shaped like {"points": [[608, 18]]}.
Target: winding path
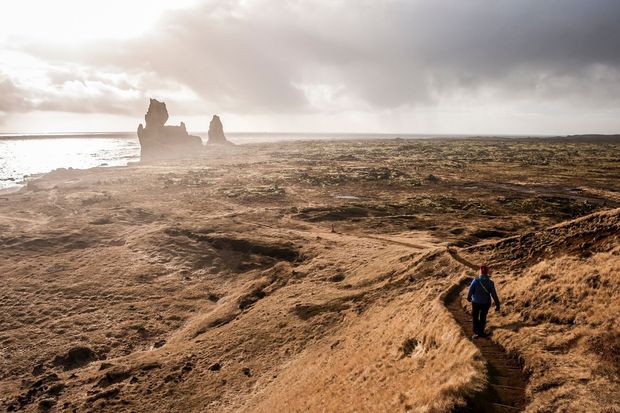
{"points": [[505, 391]]}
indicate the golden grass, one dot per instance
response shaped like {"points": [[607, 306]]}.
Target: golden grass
{"points": [[113, 259]]}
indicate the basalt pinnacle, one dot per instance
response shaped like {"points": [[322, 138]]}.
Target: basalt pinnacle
{"points": [[216, 132], [158, 141]]}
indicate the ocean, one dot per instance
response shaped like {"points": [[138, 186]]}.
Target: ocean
{"points": [[27, 156]]}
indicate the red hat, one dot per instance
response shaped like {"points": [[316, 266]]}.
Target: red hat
{"points": [[484, 269]]}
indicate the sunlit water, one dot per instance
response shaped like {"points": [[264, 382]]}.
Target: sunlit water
{"points": [[23, 157]]}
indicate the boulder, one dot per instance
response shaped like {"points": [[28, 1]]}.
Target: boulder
{"points": [[216, 132], [158, 141]]}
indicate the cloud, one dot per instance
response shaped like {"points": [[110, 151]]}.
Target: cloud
{"points": [[268, 56], [75, 88], [11, 97]]}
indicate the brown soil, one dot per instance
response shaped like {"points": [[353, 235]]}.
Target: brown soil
{"points": [[310, 277]]}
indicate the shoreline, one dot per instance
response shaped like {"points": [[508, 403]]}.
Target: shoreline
{"points": [[351, 138]]}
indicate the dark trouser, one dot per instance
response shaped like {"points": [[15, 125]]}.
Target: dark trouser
{"points": [[479, 317]]}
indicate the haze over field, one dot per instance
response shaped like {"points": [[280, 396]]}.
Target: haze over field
{"points": [[505, 67]]}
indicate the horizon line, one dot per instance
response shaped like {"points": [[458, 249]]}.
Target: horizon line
{"points": [[53, 134]]}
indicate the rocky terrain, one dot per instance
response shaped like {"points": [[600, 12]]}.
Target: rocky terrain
{"points": [[314, 276]]}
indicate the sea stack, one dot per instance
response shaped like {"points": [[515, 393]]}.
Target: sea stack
{"points": [[216, 132], [158, 141]]}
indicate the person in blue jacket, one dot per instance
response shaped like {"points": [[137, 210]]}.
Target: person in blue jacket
{"points": [[481, 291]]}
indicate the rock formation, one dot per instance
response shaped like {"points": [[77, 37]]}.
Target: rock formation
{"points": [[216, 132], [158, 141]]}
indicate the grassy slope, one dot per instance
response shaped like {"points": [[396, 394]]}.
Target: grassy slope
{"points": [[561, 292], [140, 265]]}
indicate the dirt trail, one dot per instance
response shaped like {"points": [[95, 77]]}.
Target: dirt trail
{"points": [[505, 391], [392, 241]]}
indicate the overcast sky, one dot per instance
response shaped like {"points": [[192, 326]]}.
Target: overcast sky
{"points": [[435, 66]]}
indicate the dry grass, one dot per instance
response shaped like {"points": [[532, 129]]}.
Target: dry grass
{"points": [[218, 284], [570, 308], [402, 353], [561, 315]]}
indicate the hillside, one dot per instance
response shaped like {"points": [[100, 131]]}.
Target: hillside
{"points": [[561, 292], [262, 280]]}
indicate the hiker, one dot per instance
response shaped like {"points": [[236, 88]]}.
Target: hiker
{"points": [[481, 291]]}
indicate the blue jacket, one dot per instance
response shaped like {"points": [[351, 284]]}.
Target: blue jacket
{"points": [[477, 293]]}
